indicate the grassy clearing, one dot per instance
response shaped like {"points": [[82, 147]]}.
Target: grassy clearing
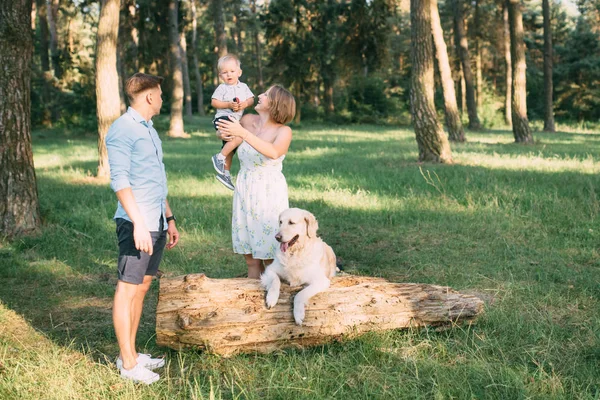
{"points": [[517, 225]]}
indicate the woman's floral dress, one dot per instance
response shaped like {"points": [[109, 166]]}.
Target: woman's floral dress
{"points": [[260, 195]]}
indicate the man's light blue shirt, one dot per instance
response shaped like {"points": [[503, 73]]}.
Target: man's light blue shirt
{"points": [[136, 160]]}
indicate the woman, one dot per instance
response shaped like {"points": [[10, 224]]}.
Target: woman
{"points": [[261, 190]]}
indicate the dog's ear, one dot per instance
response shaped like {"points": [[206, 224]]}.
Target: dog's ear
{"points": [[311, 225]]}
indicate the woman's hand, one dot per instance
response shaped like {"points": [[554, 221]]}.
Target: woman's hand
{"points": [[231, 129]]}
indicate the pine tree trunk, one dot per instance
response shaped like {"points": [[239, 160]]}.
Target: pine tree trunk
{"points": [[107, 77], [134, 34], [176, 124], [199, 90], [44, 33], [51, 10], [220, 35], [478, 67], [548, 64], [508, 63], [229, 316], [19, 209], [187, 89], [455, 129], [257, 47], [431, 138], [463, 51], [521, 130]]}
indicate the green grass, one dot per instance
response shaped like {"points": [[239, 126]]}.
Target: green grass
{"points": [[516, 225]]}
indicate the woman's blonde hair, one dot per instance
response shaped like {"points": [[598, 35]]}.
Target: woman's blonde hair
{"points": [[282, 105]]}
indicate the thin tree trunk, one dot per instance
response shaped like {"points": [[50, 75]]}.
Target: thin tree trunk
{"points": [[44, 33], [548, 64], [19, 207], [521, 130], [508, 62], [199, 93], [298, 98], [455, 129], [431, 138], [122, 77], [176, 125], [135, 36], [220, 35], [107, 77], [463, 51], [52, 7], [478, 68], [187, 90], [257, 47]]}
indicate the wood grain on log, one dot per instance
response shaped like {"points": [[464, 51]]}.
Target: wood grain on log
{"points": [[229, 316]]}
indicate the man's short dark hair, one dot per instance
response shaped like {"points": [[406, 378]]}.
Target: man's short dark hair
{"points": [[139, 83]]}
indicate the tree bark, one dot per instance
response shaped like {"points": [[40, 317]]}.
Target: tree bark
{"points": [[220, 35], [508, 62], [228, 316], [51, 13], [455, 129], [521, 130], [257, 47], [548, 64], [19, 207], [42, 14], [463, 51], [478, 67], [107, 77], [431, 138], [187, 89], [199, 90], [176, 124]]}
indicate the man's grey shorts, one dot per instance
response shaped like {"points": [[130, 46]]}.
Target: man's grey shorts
{"points": [[133, 264]]}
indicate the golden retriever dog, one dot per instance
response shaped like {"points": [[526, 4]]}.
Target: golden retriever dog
{"points": [[302, 259]]}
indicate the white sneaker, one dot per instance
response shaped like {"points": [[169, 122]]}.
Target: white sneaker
{"points": [[146, 361], [140, 374]]}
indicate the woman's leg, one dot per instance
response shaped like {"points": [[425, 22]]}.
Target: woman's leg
{"points": [[255, 266]]}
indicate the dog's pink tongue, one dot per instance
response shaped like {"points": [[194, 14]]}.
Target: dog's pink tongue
{"points": [[283, 246]]}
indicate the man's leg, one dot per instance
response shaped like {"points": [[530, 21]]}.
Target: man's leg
{"points": [[122, 320], [136, 310]]}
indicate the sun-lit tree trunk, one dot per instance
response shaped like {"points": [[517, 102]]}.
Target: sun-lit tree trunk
{"points": [[220, 35], [508, 63], [187, 89], [19, 208], [196, 67], [107, 77], [431, 138], [51, 13], [548, 64], [455, 129], [257, 47], [176, 125], [463, 51], [521, 129]]}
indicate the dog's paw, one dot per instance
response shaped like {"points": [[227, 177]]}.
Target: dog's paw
{"points": [[299, 315], [272, 297]]}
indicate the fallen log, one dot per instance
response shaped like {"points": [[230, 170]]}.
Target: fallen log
{"points": [[229, 316]]}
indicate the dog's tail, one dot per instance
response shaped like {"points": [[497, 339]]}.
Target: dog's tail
{"points": [[339, 265]]}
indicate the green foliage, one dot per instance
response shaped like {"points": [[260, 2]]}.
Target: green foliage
{"points": [[368, 101], [515, 225]]}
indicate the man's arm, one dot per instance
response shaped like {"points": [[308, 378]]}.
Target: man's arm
{"points": [[172, 229], [141, 234]]}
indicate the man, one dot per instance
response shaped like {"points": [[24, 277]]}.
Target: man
{"points": [[143, 217]]}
